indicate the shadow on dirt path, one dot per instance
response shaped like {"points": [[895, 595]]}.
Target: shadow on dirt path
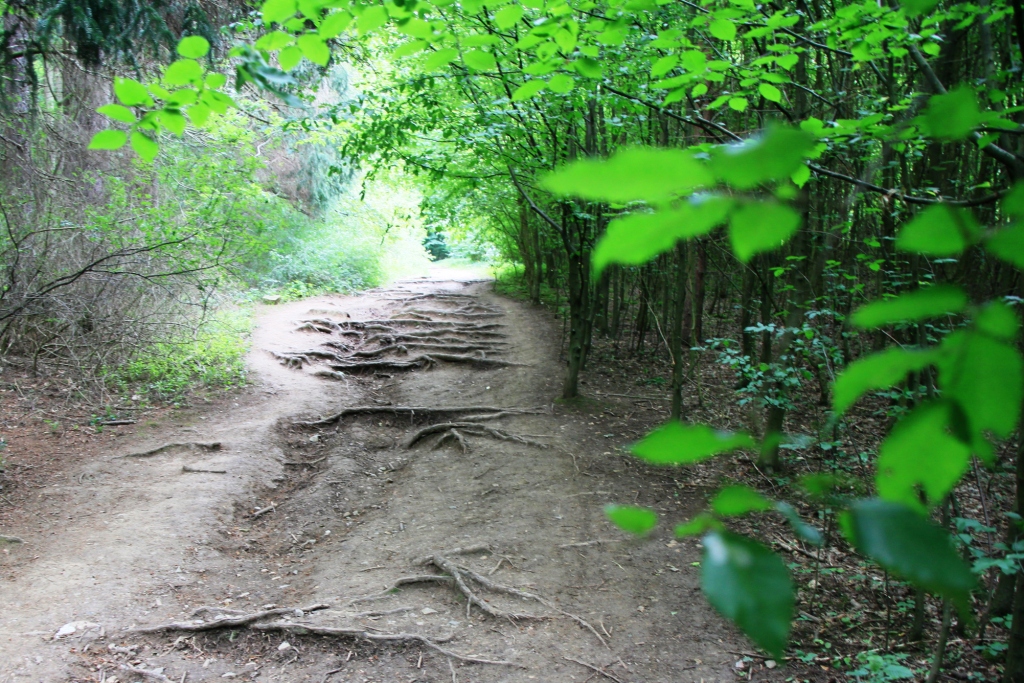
{"points": [[454, 518]]}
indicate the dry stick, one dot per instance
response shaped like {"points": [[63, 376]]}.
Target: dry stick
{"points": [[416, 410], [355, 632], [214, 446], [201, 470], [263, 511], [594, 668], [243, 620]]}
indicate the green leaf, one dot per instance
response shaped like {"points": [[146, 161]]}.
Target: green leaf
{"points": [[953, 115], [440, 58], [314, 48], [372, 18], [773, 156], [637, 173], [172, 120], [334, 23], [986, 378], [108, 139], [756, 227], [588, 67], [802, 529], [998, 320], [275, 40], [723, 29], [698, 525], [289, 57], [939, 230], [921, 456], [193, 47], [738, 103], [216, 81], [1008, 244], [920, 304], [916, 7], [144, 146], [561, 83], [639, 237], [278, 10], [528, 90], [198, 114], [664, 65], [739, 500], [479, 60], [635, 520], [508, 16], [131, 93], [877, 371], [679, 444], [118, 113], [410, 48], [183, 72], [910, 546], [770, 92], [749, 585]]}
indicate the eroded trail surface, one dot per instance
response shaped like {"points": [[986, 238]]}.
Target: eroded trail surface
{"points": [[402, 482]]}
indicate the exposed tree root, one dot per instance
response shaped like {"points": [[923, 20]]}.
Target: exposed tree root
{"points": [[428, 312], [258, 621], [189, 445], [420, 410], [423, 360], [470, 428], [430, 337], [297, 359], [227, 621]]}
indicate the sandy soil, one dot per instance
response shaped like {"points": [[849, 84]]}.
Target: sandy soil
{"points": [[114, 543]]}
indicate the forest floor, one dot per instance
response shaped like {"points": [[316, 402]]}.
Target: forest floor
{"points": [[248, 510]]}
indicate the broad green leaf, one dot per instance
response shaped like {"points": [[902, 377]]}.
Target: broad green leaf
{"points": [[410, 48], [770, 92], [773, 156], [739, 500], [920, 304], [314, 49], [1008, 244], [144, 146], [953, 115], [372, 18], [916, 7], [700, 524], [508, 16], [275, 40], [802, 529], [588, 67], [193, 47], [441, 58], [278, 10], [749, 585], [679, 444], [108, 139], [561, 83], [118, 113], [131, 93], [183, 72], [479, 60], [638, 173], [289, 57], [198, 114], [738, 103], [172, 120], [939, 230], [921, 456], [639, 237], [877, 371], [1013, 202], [998, 320], [635, 520], [723, 29], [216, 81], [910, 546], [664, 65], [334, 23], [986, 378], [801, 175], [756, 227], [528, 89]]}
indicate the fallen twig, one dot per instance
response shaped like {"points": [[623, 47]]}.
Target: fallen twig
{"points": [[145, 673], [191, 445], [227, 622], [594, 668], [201, 470]]}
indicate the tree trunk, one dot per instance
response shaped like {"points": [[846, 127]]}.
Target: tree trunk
{"points": [[678, 341]]}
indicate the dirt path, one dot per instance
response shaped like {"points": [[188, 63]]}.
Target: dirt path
{"points": [[347, 509]]}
